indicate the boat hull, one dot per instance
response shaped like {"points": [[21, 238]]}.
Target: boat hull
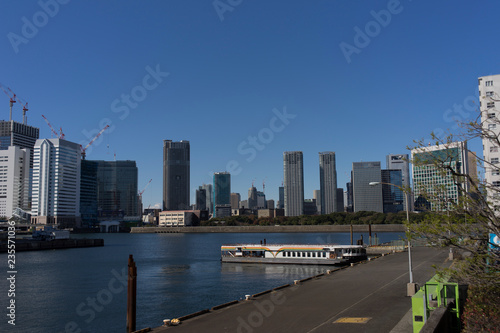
{"points": [[308, 261]]}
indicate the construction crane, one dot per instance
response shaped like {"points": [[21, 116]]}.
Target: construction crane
{"points": [[11, 96], [145, 187], [51, 128], [92, 141], [25, 107], [141, 192]]}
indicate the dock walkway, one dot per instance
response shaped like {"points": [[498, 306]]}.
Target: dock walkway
{"points": [[369, 297]]}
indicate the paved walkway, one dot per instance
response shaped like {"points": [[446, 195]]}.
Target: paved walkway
{"points": [[369, 297]]}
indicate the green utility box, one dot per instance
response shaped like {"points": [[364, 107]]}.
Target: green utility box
{"points": [[434, 294]]}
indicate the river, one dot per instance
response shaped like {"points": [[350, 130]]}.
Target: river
{"points": [[84, 290]]}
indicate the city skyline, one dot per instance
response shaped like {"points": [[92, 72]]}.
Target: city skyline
{"points": [[263, 79]]}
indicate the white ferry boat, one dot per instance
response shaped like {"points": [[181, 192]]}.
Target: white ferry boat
{"points": [[293, 254]]}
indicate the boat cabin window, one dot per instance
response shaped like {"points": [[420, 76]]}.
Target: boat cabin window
{"points": [[293, 254], [309, 254], [314, 254]]}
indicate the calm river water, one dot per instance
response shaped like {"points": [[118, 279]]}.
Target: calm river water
{"points": [[84, 290]]}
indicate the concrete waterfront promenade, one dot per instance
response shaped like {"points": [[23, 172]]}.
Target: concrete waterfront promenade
{"points": [[369, 297], [273, 229]]}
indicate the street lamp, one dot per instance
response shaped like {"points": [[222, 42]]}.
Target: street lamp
{"points": [[411, 287]]}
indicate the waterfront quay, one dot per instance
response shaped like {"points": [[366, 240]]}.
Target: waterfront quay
{"points": [[35, 245], [367, 297], [358, 228]]}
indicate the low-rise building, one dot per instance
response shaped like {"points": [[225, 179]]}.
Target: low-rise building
{"points": [[178, 218]]}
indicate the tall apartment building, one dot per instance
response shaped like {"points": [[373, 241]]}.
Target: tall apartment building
{"points": [[222, 192], [293, 169], [117, 189], [14, 180], [366, 197], [402, 162], [328, 182], [56, 183], [17, 134], [433, 189], [489, 94], [176, 175], [393, 196]]}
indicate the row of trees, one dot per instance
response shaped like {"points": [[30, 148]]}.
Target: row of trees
{"points": [[340, 218]]}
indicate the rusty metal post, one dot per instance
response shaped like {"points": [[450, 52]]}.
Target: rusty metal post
{"points": [[131, 294], [351, 234], [370, 234]]}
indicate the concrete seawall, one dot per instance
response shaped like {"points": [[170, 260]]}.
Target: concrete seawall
{"points": [[26, 245], [273, 229]]}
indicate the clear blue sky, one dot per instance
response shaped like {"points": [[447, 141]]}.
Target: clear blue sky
{"points": [[229, 67]]}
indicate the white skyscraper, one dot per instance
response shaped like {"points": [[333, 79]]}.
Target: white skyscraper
{"points": [[328, 182], [489, 95], [293, 169], [56, 183], [14, 180]]}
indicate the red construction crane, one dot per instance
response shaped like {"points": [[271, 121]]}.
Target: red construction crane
{"points": [[11, 96], [61, 134], [92, 141], [25, 108], [51, 128], [145, 187]]}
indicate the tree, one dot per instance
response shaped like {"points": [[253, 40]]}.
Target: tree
{"points": [[465, 212]]}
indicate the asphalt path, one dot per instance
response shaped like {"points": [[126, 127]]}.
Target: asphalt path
{"points": [[368, 297]]}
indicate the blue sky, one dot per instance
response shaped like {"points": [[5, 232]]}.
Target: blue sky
{"points": [[218, 73]]}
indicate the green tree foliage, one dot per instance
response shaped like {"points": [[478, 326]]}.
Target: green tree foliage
{"points": [[465, 223]]}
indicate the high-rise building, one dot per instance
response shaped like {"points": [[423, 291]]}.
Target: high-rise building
{"points": [[88, 194], [340, 200], [328, 182], [433, 189], [317, 197], [252, 198], [201, 199], [13, 133], [281, 194], [222, 191], [235, 200], [176, 176], [349, 196], [56, 183], [402, 162], [366, 197], [293, 169], [209, 197], [489, 94], [393, 196], [270, 204], [117, 189], [261, 200], [14, 180]]}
